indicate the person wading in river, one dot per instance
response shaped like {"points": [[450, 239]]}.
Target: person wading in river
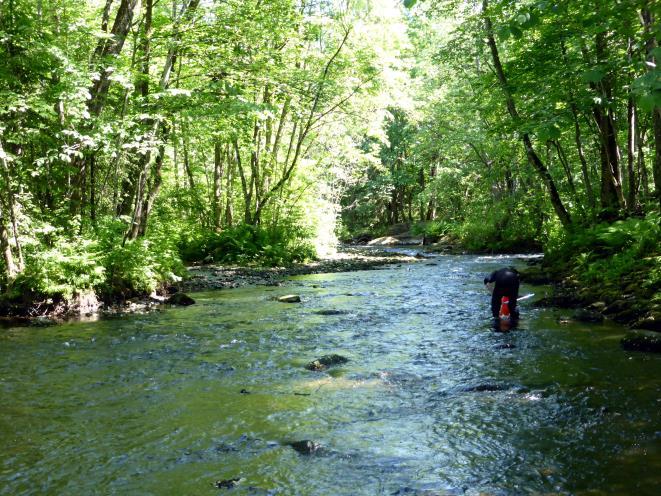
{"points": [[503, 283]]}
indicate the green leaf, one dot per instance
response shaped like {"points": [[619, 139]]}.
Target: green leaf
{"points": [[649, 101], [409, 3], [592, 76], [504, 33]]}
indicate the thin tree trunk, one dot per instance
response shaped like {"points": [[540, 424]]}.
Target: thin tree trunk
{"points": [[533, 158], [568, 172], [581, 156], [244, 186], [229, 214], [217, 178], [10, 266], [648, 21], [106, 48], [612, 198], [631, 154]]}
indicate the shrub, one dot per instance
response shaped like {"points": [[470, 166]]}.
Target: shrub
{"points": [[280, 245], [68, 268]]}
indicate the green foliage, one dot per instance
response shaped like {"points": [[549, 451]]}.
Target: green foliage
{"points": [[433, 228], [605, 253], [247, 244], [66, 269], [140, 267]]}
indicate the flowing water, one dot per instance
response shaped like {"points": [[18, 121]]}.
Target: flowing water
{"points": [[432, 401]]}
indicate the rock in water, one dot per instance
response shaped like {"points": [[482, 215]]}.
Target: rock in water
{"points": [[227, 483], [180, 299], [305, 447], [330, 312], [481, 388], [290, 299], [326, 361], [642, 341], [588, 316], [650, 324]]}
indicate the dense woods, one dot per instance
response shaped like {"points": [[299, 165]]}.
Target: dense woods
{"points": [[136, 135]]}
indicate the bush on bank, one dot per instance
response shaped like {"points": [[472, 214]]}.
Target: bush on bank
{"points": [[59, 268], [614, 255]]}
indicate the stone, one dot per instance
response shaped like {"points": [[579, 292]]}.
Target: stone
{"points": [[649, 324], [617, 306], [597, 306], [326, 361], [583, 315], [636, 340], [486, 388], [330, 312], [42, 322], [227, 483], [180, 299], [305, 447], [384, 241], [292, 298]]}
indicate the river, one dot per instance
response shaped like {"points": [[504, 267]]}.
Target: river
{"points": [[433, 400]]}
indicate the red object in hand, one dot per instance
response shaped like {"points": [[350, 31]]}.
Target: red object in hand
{"points": [[504, 308]]}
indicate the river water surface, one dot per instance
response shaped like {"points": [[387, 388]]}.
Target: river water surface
{"points": [[432, 401]]}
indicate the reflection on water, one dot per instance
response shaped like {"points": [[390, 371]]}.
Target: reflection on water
{"points": [[432, 401]]}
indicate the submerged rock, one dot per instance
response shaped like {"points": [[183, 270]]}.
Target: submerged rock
{"points": [[642, 341], [180, 299], [330, 312], [583, 315], [649, 324], [326, 361], [305, 447], [481, 388], [505, 346], [227, 483], [292, 298]]}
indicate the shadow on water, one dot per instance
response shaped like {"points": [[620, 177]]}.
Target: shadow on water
{"points": [[432, 400]]}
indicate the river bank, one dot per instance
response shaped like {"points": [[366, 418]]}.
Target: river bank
{"points": [[202, 277], [630, 301]]}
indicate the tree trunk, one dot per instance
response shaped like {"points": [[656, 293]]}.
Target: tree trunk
{"points": [[650, 44], [10, 266], [581, 156], [217, 178], [229, 214], [611, 185], [533, 158], [631, 155], [106, 48]]}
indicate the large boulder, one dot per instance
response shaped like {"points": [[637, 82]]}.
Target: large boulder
{"points": [[651, 323], [384, 241], [180, 299], [642, 341]]}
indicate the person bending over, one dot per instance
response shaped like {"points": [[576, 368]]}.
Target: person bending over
{"points": [[503, 282]]}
